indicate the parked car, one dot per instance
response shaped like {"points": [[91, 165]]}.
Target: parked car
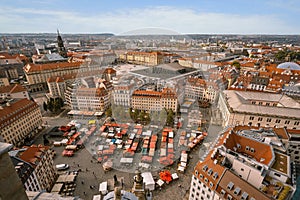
{"points": [[62, 166]]}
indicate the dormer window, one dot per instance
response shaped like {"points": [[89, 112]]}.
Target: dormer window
{"points": [[230, 185], [247, 148], [210, 171], [252, 150]]}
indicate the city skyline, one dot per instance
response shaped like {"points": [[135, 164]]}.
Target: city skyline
{"points": [[203, 17]]}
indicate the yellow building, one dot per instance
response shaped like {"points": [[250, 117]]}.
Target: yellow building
{"points": [[154, 100], [143, 58]]}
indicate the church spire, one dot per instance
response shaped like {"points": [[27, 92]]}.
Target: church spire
{"points": [[61, 48]]}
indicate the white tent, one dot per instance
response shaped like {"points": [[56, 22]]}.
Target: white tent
{"points": [[148, 180], [103, 188]]}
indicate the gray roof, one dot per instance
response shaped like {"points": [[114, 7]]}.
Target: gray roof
{"points": [[5, 147], [289, 65], [241, 102]]}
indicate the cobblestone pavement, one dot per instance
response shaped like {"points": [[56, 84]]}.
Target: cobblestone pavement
{"points": [[92, 173]]}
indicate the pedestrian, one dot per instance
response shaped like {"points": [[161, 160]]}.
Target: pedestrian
{"points": [[84, 193], [82, 182], [93, 172], [87, 169], [78, 165], [91, 161]]}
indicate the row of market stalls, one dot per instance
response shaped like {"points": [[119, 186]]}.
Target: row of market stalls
{"points": [[65, 184]]}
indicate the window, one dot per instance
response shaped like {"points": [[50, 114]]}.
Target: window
{"points": [[210, 171], [251, 118], [296, 123], [206, 180], [247, 148], [201, 176], [287, 122], [260, 119], [277, 121], [211, 184], [238, 146], [230, 185], [237, 191], [242, 169], [223, 192], [269, 119], [276, 174], [252, 150], [244, 196], [229, 197]]}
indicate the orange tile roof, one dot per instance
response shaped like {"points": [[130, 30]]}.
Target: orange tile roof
{"points": [[263, 152], [33, 154], [16, 109], [50, 66], [243, 185], [209, 164]]}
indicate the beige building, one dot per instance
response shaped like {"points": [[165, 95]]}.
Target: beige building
{"points": [[15, 91], [259, 109], [154, 100], [122, 94], [38, 74], [19, 120], [4, 81], [143, 58], [200, 89], [41, 159], [89, 99], [57, 87], [242, 164]]}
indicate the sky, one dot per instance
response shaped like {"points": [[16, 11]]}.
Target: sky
{"points": [[165, 16]]}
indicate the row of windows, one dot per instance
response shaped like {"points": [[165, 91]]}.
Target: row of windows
{"points": [[276, 120]]}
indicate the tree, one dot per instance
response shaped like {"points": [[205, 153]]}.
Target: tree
{"points": [[45, 106], [170, 118], [108, 112], [236, 64]]}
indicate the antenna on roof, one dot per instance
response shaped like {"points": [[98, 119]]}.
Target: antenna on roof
{"points": [[57, 32]]}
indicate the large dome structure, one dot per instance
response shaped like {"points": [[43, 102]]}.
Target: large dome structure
{"points": [[289, 65]]}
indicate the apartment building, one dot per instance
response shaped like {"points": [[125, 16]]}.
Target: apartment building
{"points": [[200, 89], [259, 109], [244, 164], [38, 74], [88, 99], [57, 87], [26, 173], [143, 58], [122, 94], [19, 119], [41, 159], [15, 91], [154, 100]]}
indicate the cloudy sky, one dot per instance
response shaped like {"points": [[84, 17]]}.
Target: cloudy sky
{"points": [[122, 16]]}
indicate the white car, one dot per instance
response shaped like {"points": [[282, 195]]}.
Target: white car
{"points": [[62, 166]]}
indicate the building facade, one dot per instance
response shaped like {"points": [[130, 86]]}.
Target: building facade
{"points": [[201, 90], [122, 94], [16, 91], [143, 58], [242, 164], [259, 109], [41, 159], [154, 100], [19, 120], [38, 74], [88, 99]]}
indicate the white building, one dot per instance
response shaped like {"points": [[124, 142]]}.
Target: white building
{"points": [[259, 109], [243, 165]]}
